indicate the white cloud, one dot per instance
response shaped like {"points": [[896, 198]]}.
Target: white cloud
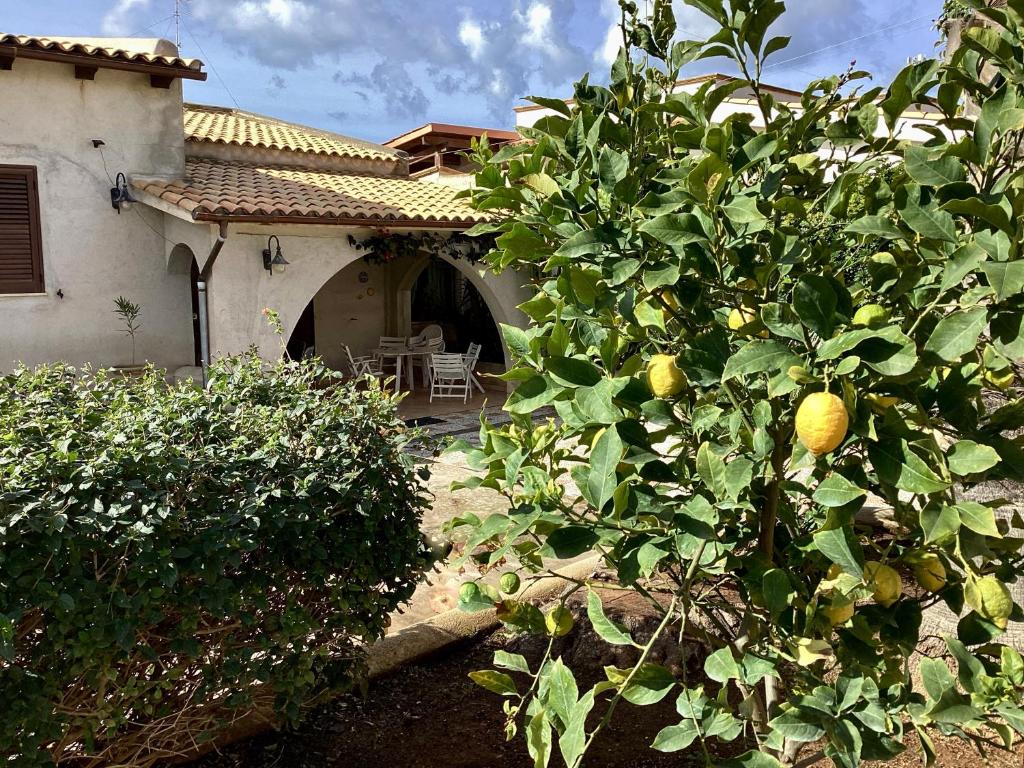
{"points": [[118, 20], [471, 35], [537, 27]]}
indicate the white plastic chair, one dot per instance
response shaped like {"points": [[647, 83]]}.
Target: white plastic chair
{"points": [[363, 365], [424, 349], [471, 358], [397, 343], [448, 377]]}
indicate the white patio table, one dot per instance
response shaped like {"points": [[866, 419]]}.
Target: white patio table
{"points": [[403, 359]]}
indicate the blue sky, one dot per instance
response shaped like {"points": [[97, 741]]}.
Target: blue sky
{"points": [[375, 68]]}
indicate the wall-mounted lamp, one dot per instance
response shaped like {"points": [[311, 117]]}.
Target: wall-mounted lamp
{"points": [[120, 195], [272, 258]]}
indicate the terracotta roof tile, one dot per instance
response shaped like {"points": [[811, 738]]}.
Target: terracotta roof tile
{"points": [[221, 125], [216, 189], [92, 47]]}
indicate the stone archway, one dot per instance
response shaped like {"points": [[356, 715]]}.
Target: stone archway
{"points": [[502, 308], [239, 288]]}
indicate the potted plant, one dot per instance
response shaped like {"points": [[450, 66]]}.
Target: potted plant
{"points": [[129, 312]]}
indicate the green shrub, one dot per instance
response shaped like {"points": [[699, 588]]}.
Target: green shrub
{"points": [[173, 558]]}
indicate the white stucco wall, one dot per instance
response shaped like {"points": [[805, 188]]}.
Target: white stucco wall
{"points": [[347, 311], [239, 289], [48, 119]]}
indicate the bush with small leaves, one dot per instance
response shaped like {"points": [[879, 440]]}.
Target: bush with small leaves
{"points": [[174, 558]]}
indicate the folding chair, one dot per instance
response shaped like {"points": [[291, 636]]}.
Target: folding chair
{"points": [[448, 377], [471, 358], [363, 365]]}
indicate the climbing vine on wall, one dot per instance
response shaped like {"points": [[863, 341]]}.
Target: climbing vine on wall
{"points": [[383, 247]]}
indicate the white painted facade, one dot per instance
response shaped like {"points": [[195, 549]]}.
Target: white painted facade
{"points": [[92, 254]]}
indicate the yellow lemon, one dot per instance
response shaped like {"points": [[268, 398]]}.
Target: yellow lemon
{"points": [[1001, 379], [930, 572], [746, 321], [871, 316], [664, 377], [886, 584], [834, 572], [821, 422], [839, 612], [559, 621], [991, 598], [741, 317]]}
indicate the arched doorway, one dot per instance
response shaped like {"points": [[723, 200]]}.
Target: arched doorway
{"points": [[363, 301], [443, 295], [182, 260]]}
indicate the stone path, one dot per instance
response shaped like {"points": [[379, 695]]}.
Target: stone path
{"points": [[440, 592]]}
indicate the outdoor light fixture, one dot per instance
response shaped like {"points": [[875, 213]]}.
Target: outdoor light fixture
{"points": [[120, 196], [271, 258]]}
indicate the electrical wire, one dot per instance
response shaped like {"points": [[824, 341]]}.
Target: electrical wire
{"points": [[150, 26], [133, 209], [213, 69], [847, 42]]}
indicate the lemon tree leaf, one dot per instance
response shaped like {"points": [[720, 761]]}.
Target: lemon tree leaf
{"points": [[939, 524], [898, 465], [836, 491], [673, 738], [604, 459], [956, 334], [606, 629], [711, 469], [968, 457], [759, 356], [978, 518], [494, 681], [721, 666]]}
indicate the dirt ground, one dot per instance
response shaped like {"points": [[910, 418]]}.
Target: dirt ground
{"points": [[430, 715]]}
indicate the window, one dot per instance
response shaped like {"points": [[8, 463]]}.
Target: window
{"points": [[21, 252]]}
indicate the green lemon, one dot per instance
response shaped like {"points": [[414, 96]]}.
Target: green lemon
{"points": [[884, 581], [839, 611], [510, 583], [559, 621], [871, 316]]}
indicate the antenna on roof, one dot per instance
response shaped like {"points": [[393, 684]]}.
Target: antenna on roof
{"points": [[177, 23]]}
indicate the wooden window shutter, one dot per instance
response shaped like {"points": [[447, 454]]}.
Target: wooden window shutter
{"points": [[21, 252]]}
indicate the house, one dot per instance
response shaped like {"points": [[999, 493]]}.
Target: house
{"points": [[909, 126], [110, 185], [437, 151]]}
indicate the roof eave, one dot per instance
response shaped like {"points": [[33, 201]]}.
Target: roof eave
{"points": [[14, 52], [336, 221]]}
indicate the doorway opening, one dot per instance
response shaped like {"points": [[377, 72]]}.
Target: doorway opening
{"points": [[442, 295], [302, 342]]}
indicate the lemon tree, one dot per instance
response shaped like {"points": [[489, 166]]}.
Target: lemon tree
{"points": [[728, 422]]}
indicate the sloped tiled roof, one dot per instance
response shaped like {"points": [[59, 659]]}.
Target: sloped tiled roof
{"points": [[221, 125], [103, 49], [216, 189]]}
